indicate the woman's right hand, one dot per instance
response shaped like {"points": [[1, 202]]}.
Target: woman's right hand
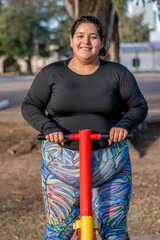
{"points": [[56, 137]]}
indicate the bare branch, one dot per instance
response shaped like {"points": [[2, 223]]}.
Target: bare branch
{"points": [[70, 8]]}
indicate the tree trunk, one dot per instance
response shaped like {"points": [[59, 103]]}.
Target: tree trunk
{"points": [[105, 12], [114, 47], [29, 67]]}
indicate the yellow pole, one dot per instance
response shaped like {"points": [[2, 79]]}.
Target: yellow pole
{"points": [[87, 228]]}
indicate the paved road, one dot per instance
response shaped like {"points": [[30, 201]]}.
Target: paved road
{"points": [[15, 89], [150, 87]]}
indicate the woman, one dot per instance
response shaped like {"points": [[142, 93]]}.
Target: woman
{"points": [[85, 92]]}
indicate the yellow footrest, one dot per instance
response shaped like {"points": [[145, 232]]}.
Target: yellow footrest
{"points": [[86, 224]]}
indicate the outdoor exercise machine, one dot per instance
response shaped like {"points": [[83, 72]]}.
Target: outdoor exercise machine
{"points": [[86, 225]]}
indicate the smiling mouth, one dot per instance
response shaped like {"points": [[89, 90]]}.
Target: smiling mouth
{"points": [[85, 48]]}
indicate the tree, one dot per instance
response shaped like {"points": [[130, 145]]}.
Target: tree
{"points": [[60, 33], [132, 30], [23, 25]]}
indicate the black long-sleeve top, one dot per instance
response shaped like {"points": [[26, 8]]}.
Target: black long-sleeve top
{"points": [[62, 100]]}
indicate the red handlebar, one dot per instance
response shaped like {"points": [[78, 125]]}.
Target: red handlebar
{"points": [[94, 136]]}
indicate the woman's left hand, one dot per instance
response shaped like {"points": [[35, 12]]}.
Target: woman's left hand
{"points": [[117, 134]]}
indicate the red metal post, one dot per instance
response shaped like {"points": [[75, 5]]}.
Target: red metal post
{"points": [[85, 173]]}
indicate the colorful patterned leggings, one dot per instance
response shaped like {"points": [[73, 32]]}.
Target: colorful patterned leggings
{"points": [[111, 181]]}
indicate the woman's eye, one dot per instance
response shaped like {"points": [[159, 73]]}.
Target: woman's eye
{"points": [[79, 36], [94, 37]]}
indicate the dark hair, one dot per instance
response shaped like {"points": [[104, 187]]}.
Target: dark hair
{"points": [[95, 21]]}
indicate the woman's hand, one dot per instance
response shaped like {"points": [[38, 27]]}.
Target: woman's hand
{"points": [[56, 137], [117, 134]]}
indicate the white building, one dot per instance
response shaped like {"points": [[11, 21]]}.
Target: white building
{"points": [[141, 57]]}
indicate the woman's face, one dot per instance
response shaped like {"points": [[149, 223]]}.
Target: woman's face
{"points": [[86, 42]]}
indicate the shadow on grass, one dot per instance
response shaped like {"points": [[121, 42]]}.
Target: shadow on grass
{"points": [[144, 136]]}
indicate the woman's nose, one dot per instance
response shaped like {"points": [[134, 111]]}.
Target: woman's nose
{"points": [[86, 40]]}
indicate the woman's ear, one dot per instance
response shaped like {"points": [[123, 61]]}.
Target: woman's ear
{"points": [[71, 41]]}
